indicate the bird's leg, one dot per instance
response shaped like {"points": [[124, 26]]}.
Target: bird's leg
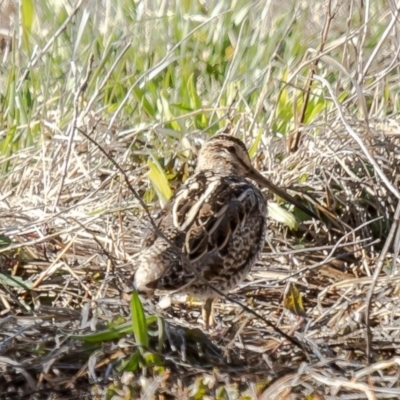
{"points": [[207, 312]]}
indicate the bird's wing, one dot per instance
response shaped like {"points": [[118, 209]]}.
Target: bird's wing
{"points": [[211, 211]]}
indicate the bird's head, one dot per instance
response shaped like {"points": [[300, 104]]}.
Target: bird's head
{"points": [[224, 154], [228, 155]]}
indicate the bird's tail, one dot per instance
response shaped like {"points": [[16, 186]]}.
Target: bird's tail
{"points": [[154, 265]]}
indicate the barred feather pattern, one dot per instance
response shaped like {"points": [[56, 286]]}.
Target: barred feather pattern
{"points": [[218, 223]]}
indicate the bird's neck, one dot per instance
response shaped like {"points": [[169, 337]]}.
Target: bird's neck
{"points": [[218, 165]]}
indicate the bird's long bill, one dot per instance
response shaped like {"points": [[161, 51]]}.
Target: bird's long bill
{"points": [[280, 192]]}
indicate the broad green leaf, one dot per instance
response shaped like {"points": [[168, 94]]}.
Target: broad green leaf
{"points": [[165, 108], [388, 270], [313, 110], [313, 396], [229, 52], [148, 195], [294, 302], [187, 148], [279, 214], [195, 102], [151, 359], [130, 364], [255, 144], [159, 181], [198, 390], [117, 321], [221, 394], [111, 333], [142, 97], [23, 116], [194, 99], [105, 335], [283, 99], [342, 96], [15, 281], [27, 18]]}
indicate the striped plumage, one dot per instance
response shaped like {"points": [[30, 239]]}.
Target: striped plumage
{"points": [[216, 219]]}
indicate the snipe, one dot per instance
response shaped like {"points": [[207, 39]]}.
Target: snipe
{"points": [[217, 221]]}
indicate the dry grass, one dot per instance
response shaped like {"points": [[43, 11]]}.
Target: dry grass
{"points": [[71, 228], [78, 261]]}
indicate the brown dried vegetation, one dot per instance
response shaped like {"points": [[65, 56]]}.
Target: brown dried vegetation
{"points": [[70, 233]]}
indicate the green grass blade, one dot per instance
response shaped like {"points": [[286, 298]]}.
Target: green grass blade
{"points": [[139, 325], [131, 364], [5, 241], [112, 333]]}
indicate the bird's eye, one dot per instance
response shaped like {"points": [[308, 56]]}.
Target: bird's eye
{"points": [[231, 149]]}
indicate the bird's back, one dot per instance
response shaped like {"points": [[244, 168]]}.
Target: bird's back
{"points": [[218, 223]]}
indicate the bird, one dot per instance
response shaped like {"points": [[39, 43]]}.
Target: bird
{"points": [[212, 229]]}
